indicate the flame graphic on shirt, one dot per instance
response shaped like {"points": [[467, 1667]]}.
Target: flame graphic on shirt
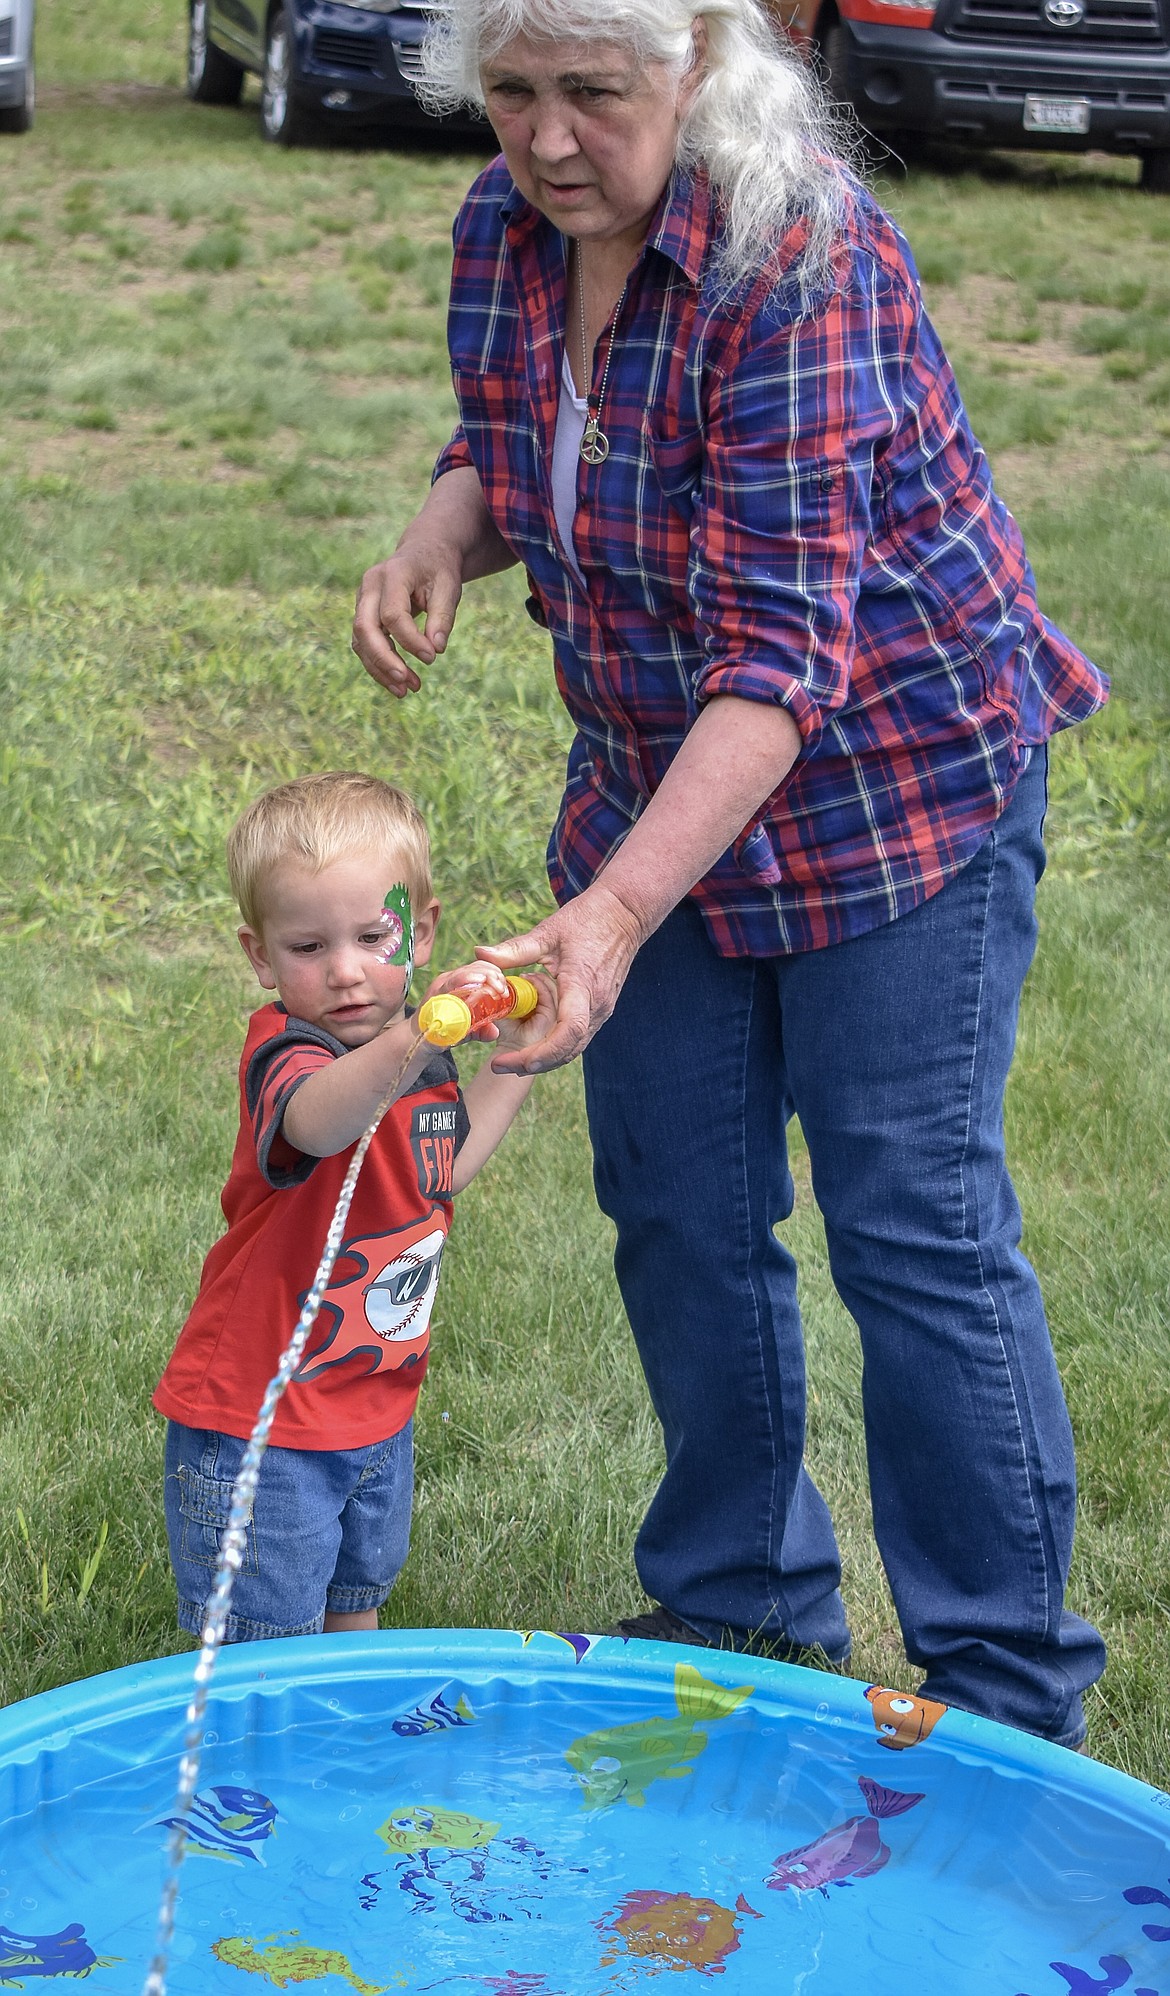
{"points": [[376, 1312]]}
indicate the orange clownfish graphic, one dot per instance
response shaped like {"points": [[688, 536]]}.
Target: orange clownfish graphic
{"points": [[901, 1719]]}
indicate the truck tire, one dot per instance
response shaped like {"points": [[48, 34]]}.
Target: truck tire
{"points": [[834, 50], [212, 76], [1156, 172]]}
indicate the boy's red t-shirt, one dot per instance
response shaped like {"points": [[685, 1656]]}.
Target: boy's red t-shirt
{"points": [[359, 1378]]}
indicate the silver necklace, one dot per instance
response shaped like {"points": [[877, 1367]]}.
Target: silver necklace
{"points": [[594, 442]]}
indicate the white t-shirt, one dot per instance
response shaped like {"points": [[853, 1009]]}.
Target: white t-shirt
{"points": [[572, 412]]}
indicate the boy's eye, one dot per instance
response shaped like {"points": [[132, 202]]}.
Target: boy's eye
{"points": [[372, 938], [304, 949]]}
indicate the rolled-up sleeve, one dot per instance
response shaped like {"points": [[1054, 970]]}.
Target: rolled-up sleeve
{"points": [[454, 456], [795, 415]]}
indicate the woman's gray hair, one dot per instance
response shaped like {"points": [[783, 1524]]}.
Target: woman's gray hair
{"points": [[758, 122]]}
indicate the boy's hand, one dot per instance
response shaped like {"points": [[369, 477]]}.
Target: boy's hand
{"points": [[472, 978]]}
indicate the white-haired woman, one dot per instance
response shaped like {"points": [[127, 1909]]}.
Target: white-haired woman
{"points": [[796, 860]]}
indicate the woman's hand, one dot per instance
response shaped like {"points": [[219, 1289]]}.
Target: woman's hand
{"points": [[423, 578], [451, 540], [588, 947]]}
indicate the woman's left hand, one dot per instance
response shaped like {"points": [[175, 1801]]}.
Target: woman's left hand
{"points": [[588, 947]]}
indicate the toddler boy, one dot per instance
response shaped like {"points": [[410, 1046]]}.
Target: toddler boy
{"points": [[311, 864]]}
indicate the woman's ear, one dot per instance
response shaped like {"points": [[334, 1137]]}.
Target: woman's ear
{"points": [[695, 73]]}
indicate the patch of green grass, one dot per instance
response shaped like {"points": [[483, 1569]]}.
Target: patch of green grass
{"points": [[173, 636], [219, 249]]}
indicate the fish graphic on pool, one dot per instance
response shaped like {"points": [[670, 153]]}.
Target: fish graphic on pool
{"points": [[620, 1762], [437, 1717], [228, 1823], [676, 1930], [854, 1849], [902, 1719], [27, 1957], [419, 1828], [282, 1966]]}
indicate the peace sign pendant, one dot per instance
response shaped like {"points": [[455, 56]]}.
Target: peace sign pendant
{"points": [[594, 443]]}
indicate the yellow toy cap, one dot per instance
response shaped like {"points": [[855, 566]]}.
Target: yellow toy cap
{"points": [[526, 997], [445, 1020]]}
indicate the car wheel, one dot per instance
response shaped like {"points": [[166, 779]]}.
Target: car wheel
{"points": [[283, 120], [1156, 172], [19, 117], [212, 76]]}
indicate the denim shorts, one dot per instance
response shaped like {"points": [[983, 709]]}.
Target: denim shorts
{"points": [[330, 1530]]}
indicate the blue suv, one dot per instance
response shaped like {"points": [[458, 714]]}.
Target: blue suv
{"points": [[322, 62]]}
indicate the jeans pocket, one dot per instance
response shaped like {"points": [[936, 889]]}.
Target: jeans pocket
{"points": [[205, 1504]]}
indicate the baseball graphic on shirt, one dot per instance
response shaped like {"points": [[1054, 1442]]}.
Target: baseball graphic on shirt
{"points": [[398, 1299], [376, 1312]]}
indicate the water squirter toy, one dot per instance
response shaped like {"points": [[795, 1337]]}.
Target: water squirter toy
{"points": [[451, 1016]]}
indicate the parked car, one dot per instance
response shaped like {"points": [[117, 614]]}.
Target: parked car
{"points": [[322, 62], [1062, 75], [17, 83]]}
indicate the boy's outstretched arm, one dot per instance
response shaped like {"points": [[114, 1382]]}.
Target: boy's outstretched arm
{"points": [[333, 1106], [491, 1099]]}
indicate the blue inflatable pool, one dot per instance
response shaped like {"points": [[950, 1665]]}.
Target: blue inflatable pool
{"points": [[544, 1815]]}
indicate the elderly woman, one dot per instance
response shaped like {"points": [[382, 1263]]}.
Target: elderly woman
{"points": [[796, 859]]}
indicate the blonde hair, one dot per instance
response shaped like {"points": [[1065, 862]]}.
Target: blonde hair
{"points": [[759, 123], [319, 819]]}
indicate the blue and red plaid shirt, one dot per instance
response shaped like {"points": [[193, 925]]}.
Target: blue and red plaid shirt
{"points": [[793, 510]]}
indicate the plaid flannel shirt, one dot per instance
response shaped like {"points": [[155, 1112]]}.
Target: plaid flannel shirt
{"points": [[793, 510]]}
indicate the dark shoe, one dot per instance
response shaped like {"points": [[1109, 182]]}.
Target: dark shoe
{"points": [[658, 1625]]}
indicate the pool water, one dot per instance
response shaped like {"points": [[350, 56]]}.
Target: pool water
{"points": [[545, 1816]]}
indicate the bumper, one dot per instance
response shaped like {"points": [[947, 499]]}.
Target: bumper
{"points": [[911, 79], [13, 83], [359, 67]]}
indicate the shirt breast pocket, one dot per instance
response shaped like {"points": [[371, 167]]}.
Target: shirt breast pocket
{"points": [[677, 462]]}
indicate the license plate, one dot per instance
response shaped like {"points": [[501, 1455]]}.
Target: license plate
{"points": [[1056, 114]]}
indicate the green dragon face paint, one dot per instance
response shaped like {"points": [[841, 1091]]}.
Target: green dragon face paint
{"points": [[398, 923]]}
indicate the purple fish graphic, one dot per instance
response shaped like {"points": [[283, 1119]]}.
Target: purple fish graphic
{"points": [[853, 1850], [1149, 1895]]}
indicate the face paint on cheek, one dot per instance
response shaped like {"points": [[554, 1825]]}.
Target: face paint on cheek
{"points": [[398, 923]]}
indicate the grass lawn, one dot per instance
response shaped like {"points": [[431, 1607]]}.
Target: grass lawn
{"points": [[224, 382]]}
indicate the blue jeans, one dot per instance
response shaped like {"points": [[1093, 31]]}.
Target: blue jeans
{"points": [[330, 1529], [893, 1049]]}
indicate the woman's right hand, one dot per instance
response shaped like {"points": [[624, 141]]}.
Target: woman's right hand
{"points": [[451, 540], [424, 578]]}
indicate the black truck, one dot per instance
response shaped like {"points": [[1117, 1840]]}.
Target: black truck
{"points": [[1065, 75]]}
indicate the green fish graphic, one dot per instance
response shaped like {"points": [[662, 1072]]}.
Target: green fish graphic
{"points": [[420, 1828], [622, 1761], [282, 1966]]}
